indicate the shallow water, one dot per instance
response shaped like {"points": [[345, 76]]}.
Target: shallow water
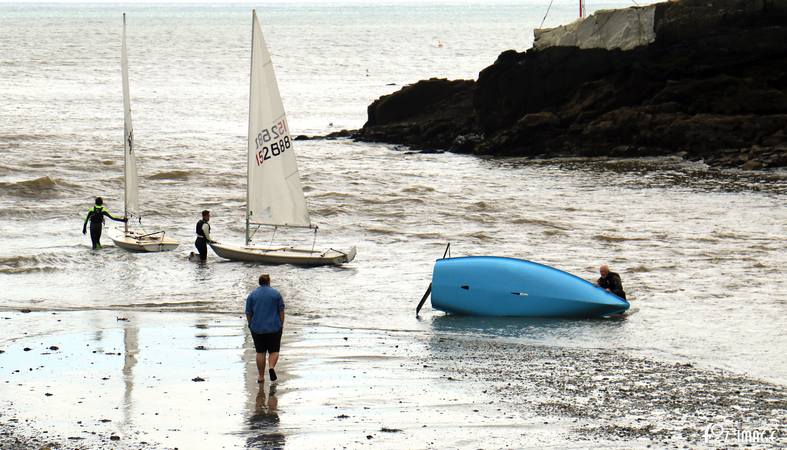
{"points": [[700, 251]]}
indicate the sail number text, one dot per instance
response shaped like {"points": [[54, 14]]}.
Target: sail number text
{"points": [[272, 142]]}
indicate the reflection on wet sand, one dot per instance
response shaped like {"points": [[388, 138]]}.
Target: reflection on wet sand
{"points": [[264, 421], [131, 349], [533, 330]]}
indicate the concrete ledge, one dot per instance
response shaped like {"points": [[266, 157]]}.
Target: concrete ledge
{"points": [[610, 29]]}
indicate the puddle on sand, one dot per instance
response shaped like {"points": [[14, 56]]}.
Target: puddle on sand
{"points": [[133, 379], [129, 380]]}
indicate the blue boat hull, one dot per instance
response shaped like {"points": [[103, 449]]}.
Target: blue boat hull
{"points": [[496, 286]]}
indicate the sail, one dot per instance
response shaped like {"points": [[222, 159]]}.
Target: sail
{"points": [[130, 161], [275, 195]]}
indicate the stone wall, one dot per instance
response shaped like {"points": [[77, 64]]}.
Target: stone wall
{"points": [[609, 29]]}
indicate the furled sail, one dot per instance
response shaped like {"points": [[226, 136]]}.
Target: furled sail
{"points": [[275, 195], [129, 153]]}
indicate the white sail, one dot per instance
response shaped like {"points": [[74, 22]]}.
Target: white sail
{"points": [[130, 161], [275, 195]]}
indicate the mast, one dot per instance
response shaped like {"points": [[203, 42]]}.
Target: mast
{"points": [[581, 9], [248, 165], [125, 138]]}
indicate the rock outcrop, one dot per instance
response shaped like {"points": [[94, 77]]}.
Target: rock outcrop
{"points": [[711, 86]]}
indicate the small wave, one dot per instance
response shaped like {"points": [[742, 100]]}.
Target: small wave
{"points": [[330, 195], [482, 218], [639, 269], [480, 206], [607, 238], [166, 304], [418, 189], [46, 262], [171, 175], [328, 211], [541, 222], [381, 230], [22, 137], [480, 235], [427, 235], [727, 235], [394, 200], [231, 181], [33, 188], [553, 232], [8, 145]]}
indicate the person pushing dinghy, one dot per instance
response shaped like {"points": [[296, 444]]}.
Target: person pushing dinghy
{"points": [[95, 216], [203, 236]]}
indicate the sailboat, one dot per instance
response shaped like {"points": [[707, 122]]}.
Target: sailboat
{"points": [[274, 196], [135, 240]]}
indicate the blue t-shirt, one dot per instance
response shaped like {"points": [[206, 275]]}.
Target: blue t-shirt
{"points": [[265, 304]]}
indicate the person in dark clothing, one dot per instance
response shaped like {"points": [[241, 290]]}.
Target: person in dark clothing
{"points": [[611, 281], [203, 235], [95, 216]]}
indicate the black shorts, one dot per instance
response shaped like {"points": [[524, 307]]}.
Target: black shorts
{"points": [[266, 342]]}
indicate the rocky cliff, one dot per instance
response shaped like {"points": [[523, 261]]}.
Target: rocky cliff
{"points": [[712, 85]]}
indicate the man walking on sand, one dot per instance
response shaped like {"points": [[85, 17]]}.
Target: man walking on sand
{"points": [[265, 314]]}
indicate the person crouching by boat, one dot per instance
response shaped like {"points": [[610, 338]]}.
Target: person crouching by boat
{"points": [[203, 235], [610, 281], [265, 316], [95, 216]]}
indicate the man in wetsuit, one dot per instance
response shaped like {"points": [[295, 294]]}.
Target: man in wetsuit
{"points": [[96, 217], [203, 235], [610, 281]]}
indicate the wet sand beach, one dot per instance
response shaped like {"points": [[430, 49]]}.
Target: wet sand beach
{"points": [[100, 379]]}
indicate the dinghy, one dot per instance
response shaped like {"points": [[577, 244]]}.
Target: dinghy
{"points": [[497, 286], [135, 240], [274, 196]]}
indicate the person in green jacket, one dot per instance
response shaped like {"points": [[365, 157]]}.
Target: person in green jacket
{"points": [[95, 216]]}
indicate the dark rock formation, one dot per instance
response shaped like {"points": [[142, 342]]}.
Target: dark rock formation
{"points": [[426, 114], [712, 86]]}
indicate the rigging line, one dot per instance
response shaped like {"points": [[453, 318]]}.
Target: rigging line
{"points": [[274, 235], [287, 177], [547, 13], [315, 239], [255, 232]]}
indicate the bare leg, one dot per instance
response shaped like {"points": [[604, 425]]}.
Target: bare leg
{"points": [[260, 367], [273, 358]]}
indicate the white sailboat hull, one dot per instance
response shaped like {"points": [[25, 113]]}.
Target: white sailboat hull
{"points": [[284, 255], [143, 242]]}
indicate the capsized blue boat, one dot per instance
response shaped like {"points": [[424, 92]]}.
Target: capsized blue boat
{"points": [[497, 286]]}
